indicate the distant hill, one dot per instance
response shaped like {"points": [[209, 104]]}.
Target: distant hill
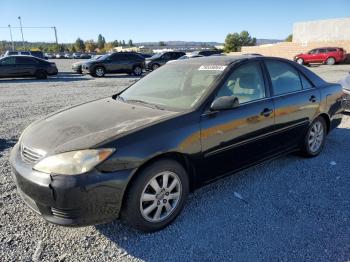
{"points": [[201, 44]]}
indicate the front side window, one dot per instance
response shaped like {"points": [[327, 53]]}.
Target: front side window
{"points": [[246, 83], [175, 86], [25, 61], [284, 78]]}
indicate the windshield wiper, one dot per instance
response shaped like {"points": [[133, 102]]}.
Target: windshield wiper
{"points": [[142, 102]]}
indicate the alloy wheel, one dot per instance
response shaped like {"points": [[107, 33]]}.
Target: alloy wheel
{"points": [[316, 136], [300, 61], [160, 196], [100, 72], [137, 71]]}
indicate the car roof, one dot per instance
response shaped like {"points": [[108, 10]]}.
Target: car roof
{"points": [[215, 60]]}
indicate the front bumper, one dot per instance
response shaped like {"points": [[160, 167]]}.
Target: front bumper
{"points": [[86, 199]]}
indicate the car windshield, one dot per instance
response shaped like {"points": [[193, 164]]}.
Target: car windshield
{"points": [[175, 86]]}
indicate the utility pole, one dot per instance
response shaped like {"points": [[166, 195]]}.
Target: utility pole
{"points": [[20, 25], [54, 28], [13, 46]]}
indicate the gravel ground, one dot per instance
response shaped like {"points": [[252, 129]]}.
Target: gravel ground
{"points": [[290, 209]]}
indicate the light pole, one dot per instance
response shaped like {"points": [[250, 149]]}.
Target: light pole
{"points": [[20, 25], [13, 46]]}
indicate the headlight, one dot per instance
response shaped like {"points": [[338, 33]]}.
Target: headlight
{"points": [[73, 163]]}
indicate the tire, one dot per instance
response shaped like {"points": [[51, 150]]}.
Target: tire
{"points": [[99, 71], [155, 66], [137, 71], [330, 61], [300, 61], [149, 208], [317, 133], [41, 74]]}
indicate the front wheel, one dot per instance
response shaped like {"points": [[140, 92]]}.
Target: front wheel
{"points": [[99, 71], [315, 138], [156, 197], [155, 66], [300, 61]]}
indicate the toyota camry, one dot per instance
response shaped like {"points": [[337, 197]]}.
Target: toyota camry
{"points": [[138, 154]]}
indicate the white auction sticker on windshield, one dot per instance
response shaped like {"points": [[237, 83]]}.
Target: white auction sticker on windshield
{"points": [[212, 67]]}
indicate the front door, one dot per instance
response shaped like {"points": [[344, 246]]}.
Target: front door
{"points": [[8, 67], [232, 139]]}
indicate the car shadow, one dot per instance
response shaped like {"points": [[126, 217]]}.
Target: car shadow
{"points": [[6, 143], [61, 77], [280, 211]]}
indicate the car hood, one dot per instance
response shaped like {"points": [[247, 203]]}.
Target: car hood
{"points": [[87, 125]]}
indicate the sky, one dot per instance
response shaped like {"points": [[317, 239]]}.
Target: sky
{"points": [[155, 20]]}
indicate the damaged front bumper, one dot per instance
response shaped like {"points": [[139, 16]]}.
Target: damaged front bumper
{"points": [[76, 200]]}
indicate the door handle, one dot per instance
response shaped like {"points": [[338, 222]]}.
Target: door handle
{"points": [[266, 112], [312, 99]]}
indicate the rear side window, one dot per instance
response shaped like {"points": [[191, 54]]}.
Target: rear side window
{"points": [[284, 78], [25, 53], [331, 50], [305, 82], [322, 50], [25, 61]]}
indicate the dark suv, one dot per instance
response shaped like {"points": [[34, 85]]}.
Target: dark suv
{"points": [[160, 59], [209, 52], [122, 62]]}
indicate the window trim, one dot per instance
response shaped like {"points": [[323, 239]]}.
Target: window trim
{"points": [[230, 72], [296, 69]]}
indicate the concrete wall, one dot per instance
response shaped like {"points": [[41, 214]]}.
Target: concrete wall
{"points": [[289, 50], [322, 30]]}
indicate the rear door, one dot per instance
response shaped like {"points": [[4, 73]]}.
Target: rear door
{"points": [[26, 66], [237, 137], [8, 67], [321, 55], [296, 102]]}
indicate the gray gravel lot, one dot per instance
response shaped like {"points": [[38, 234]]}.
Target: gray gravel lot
{"points": [[294, 209]]}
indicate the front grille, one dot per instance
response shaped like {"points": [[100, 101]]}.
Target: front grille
{"points": [[31, 155], [65, 213]]}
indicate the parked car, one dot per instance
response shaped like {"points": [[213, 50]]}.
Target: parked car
{"points": [[49, 56], [26, 66], [187, 56], [138, 154], [208, 52], [325, 55], [122, 62], [85, 56], [60, 55], [76, 55], [162, 58], [146, 55], [346, 88], [77, 67], [68, 56], [37, 54]]}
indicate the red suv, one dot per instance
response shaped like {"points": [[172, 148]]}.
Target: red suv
{"points": [[325, 55]]}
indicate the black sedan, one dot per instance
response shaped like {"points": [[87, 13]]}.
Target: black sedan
{"points": [[138, 154], [26, 66]]}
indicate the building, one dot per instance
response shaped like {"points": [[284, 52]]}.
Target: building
{"points": [[307, 36]]}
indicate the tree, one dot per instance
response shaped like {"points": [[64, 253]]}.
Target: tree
{"points": [[162, 43], [123, 43], [115, 43], [234, 41], [73, 50], [109, 46], [289, 38], [79, 45], [101, 41], [130, 43], [90, 45]]}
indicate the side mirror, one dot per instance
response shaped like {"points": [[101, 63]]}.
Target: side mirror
{"points": [[225, 103]]}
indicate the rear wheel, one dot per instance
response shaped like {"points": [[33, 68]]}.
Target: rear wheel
{"points": [[41, 74], [99, 71], [315, 138], [137, 71], [156, 197], [330, 61]]}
